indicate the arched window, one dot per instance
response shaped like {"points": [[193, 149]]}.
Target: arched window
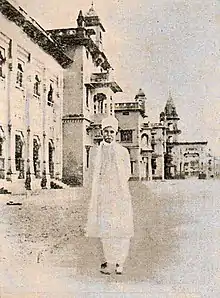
{"points": [[50, 96], [20, 73], [37, 86], [18, 151], [2, 62], [144, 140], [170, 126]]}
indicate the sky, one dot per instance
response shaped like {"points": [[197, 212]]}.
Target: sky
{"points": [[157, 45]]}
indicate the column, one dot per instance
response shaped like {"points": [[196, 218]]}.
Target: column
{"points": [[162, 166], [149, 168], [9, 86], [27, 118], [44, 172]]}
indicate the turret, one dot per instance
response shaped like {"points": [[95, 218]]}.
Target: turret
{"points": [[92, 21], [142, 100], [171, 118]]}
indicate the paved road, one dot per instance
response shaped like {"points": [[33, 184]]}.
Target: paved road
{"points": [[175, 251]]}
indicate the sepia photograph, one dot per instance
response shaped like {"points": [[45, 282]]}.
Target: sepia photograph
{"points": [[110, 149]]}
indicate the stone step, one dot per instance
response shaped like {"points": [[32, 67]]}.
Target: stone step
{"points": [[60, 184]]}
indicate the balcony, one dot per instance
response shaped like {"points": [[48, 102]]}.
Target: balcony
{"points": [[103, 79], [146, 149], [173, 131], [129, 106], [99, 77]]}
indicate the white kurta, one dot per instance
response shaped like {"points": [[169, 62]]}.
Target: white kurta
{"points": [[110, 213]]}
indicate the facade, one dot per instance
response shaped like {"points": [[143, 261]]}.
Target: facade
{"points": [[31, 100], [89, 90], [155, 149], [191, 159]]}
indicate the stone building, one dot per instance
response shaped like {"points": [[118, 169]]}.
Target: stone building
{"points": [[145, 141], [89, 89], [31, 100]]}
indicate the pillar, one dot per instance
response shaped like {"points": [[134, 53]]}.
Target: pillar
{"points": [[28, 178], [44, 170], [149, 168], [162, 166], [9, 86]]}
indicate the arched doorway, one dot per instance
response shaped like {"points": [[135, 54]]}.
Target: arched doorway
{"points": [[19, 152], [36, 156], [51, 158]]}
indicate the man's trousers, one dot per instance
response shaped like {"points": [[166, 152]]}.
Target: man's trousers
{"points": [[116, 249]]}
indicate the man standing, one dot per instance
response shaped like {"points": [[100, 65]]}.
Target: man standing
{"points": [[110, 214]]}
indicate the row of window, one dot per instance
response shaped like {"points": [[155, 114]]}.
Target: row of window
{"points": [[20, 78]]}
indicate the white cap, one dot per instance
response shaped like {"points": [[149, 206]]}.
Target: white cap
{"points": [[110, 121]]}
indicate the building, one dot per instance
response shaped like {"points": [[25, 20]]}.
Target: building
{"points": [[89, 90], [56, 86], [155, 149], [31, 100]]}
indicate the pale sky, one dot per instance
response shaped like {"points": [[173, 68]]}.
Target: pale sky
{"points": [[157, 45]]}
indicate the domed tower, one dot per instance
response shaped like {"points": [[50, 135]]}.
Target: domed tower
{"points": [[92, 21], [141, 99], [171, 119]]}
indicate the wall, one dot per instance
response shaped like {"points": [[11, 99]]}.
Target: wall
{"points": [[21, 107], [73, 151]]}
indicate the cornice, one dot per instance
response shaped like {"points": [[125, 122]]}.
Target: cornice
{"points": [[34, 31]]}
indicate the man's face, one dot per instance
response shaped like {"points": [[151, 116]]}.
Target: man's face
{"points": [[109, 134]]}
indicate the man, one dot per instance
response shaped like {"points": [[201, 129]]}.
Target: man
{"points": [[110, 215]]}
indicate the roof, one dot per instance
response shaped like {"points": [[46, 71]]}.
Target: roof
{"points": [[140, 94], [92, 18], [91, 12], [191, 143], [14, 13], [170, 109]]}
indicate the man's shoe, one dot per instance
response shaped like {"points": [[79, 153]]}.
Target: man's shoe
{"points": [[119, 269], [105, 269]]}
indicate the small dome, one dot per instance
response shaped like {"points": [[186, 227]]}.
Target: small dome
{"points": [[91, 12], [140, 93]]}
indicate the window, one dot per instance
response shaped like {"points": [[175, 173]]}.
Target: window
{"points": [[20, 74], [37, 86], [87, 156], [87, 54], [132, 167], [145, 140], [126, 136], [87, 97], [2, 62], [18, 152], [50, 96], [154, 165]]}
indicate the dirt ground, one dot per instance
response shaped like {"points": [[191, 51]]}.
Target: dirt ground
{"points": [[44, 251]]}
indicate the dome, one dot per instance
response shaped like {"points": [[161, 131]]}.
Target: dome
{"points": [[91, 12], [140, 94]]}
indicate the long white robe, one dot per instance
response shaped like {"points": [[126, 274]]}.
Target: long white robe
{"points": [[110, 213]]}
